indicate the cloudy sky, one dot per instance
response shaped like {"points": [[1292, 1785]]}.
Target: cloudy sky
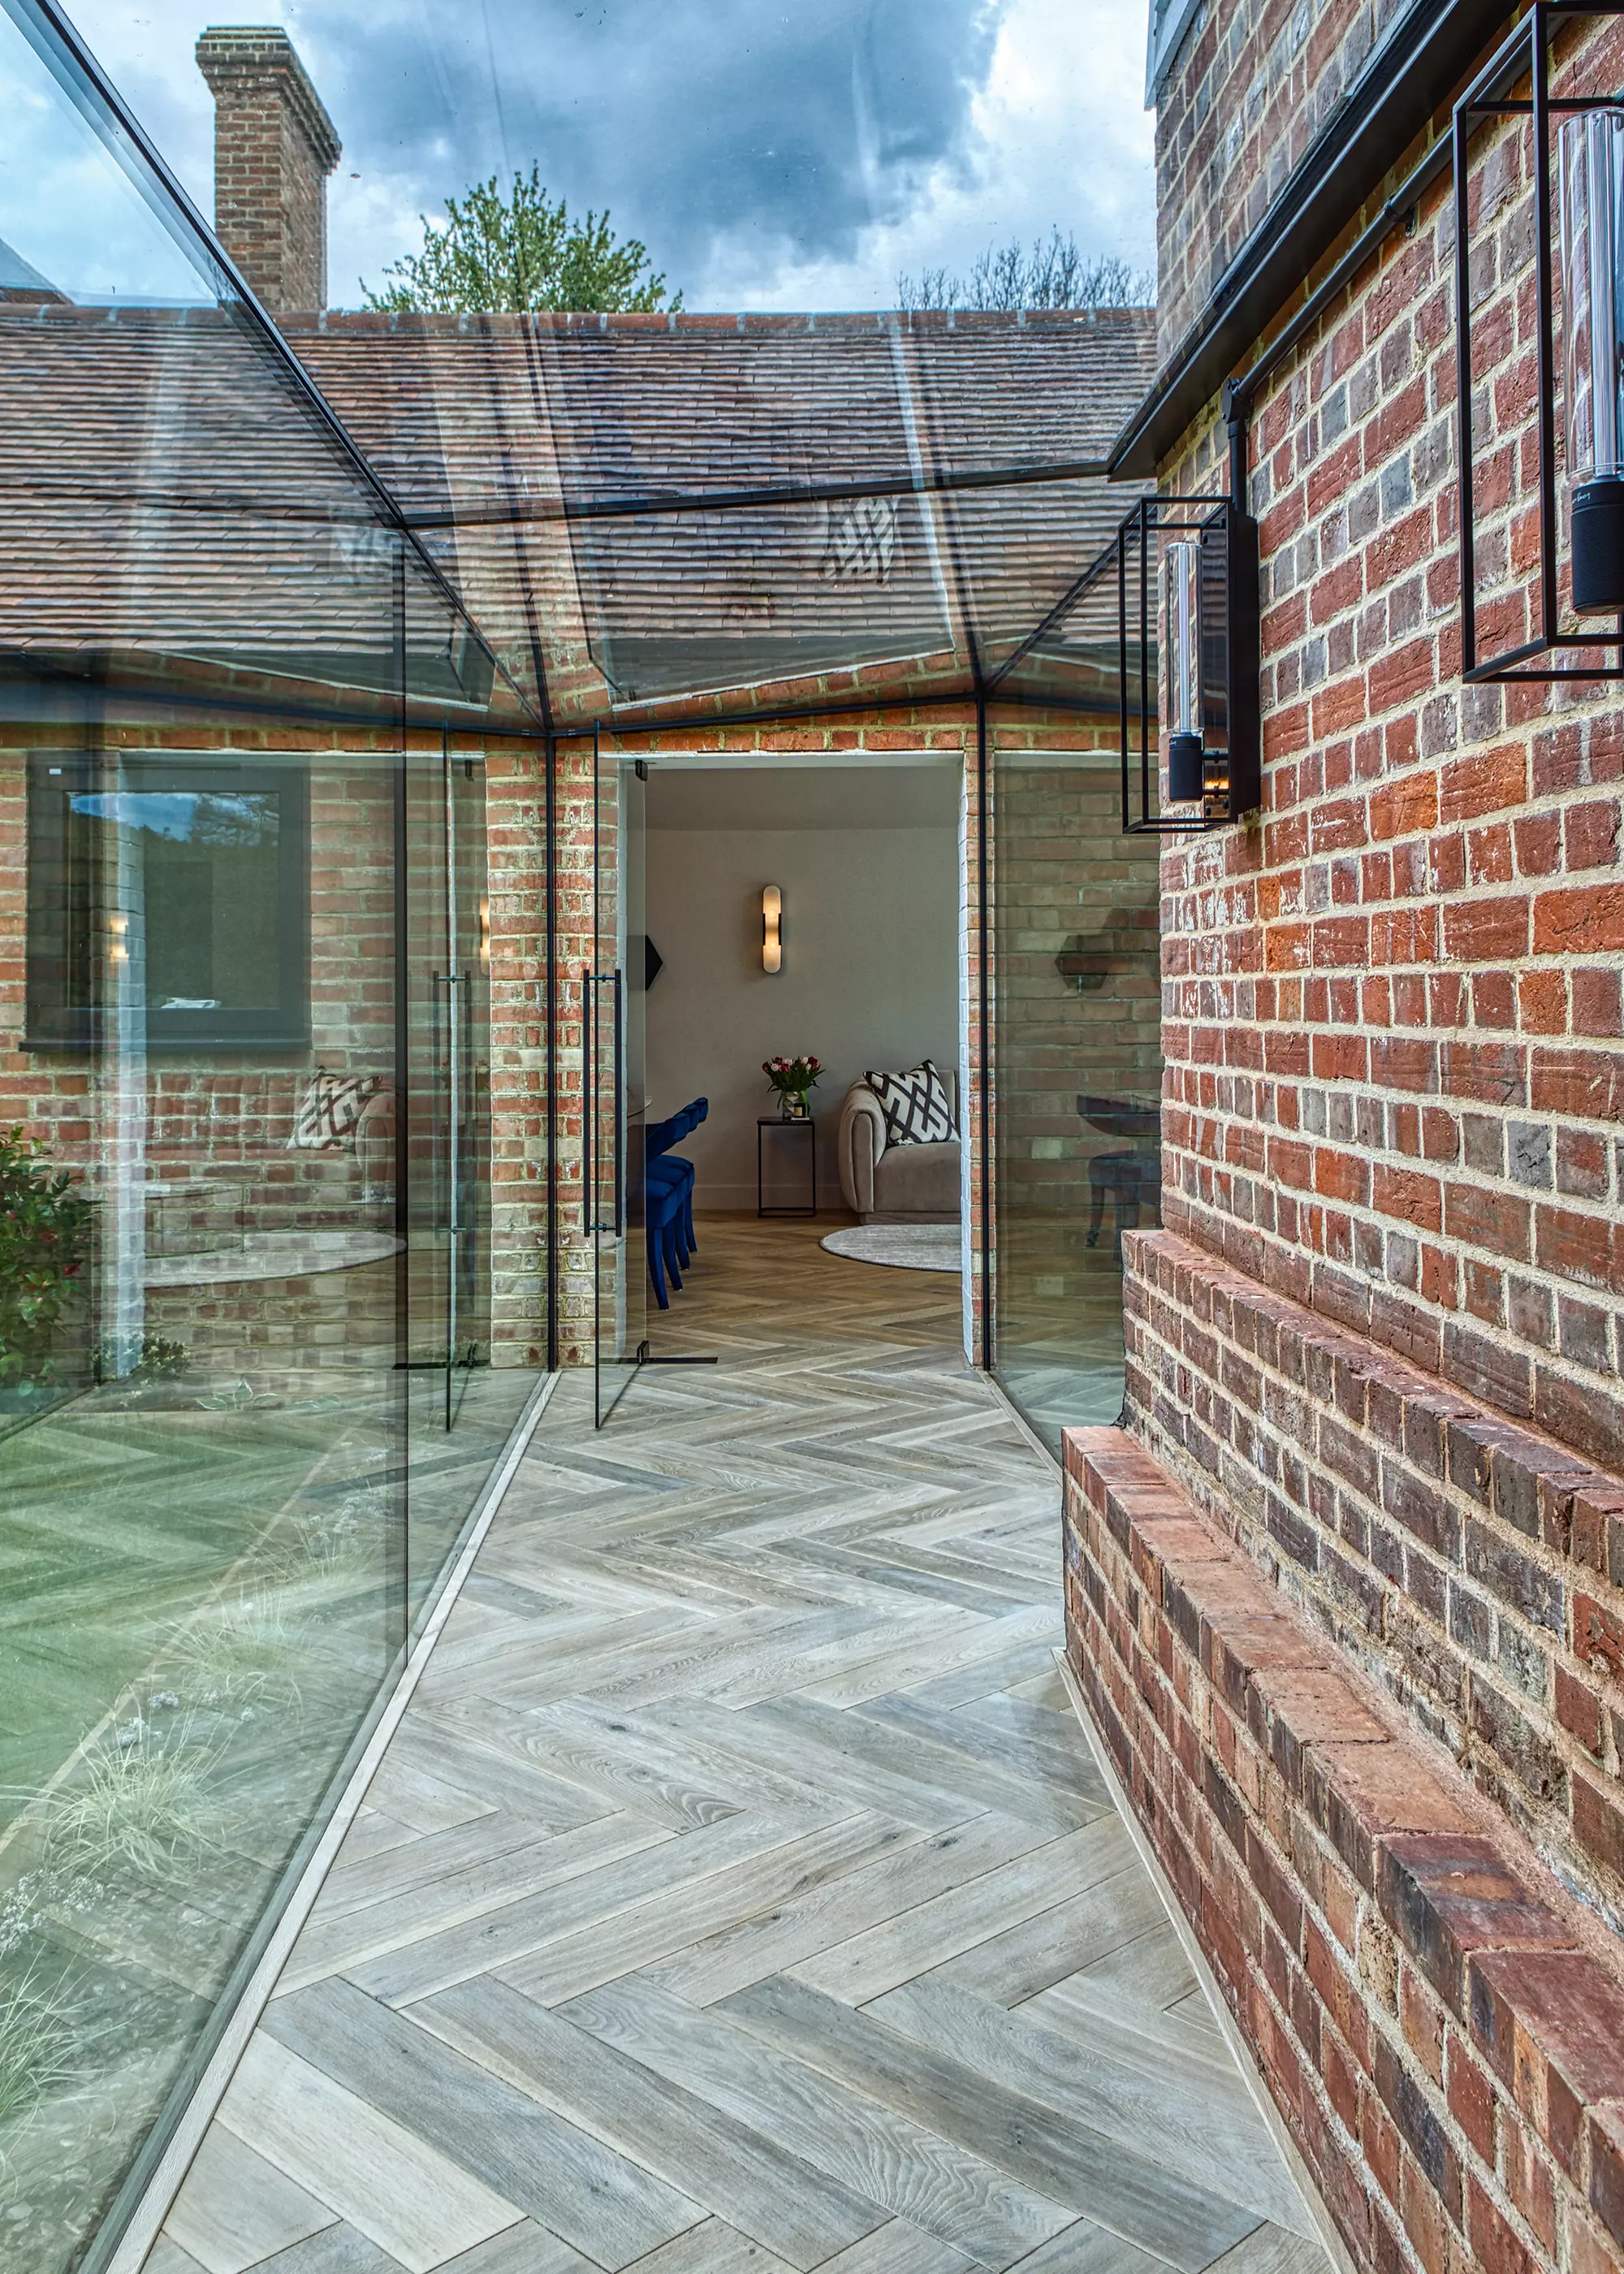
{"points": [[769, 156]]}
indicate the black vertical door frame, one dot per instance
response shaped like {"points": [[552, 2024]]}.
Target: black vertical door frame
{"points": [[983, 816], [397, 1581], [550, 984]]}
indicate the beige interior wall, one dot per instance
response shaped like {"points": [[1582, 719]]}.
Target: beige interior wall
{"points": [[867, 858]]}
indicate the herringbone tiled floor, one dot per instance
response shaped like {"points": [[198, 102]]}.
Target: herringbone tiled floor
{"points": [[739, 1890]]}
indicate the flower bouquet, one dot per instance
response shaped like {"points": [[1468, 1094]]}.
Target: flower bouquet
{"points": [[792, 1078]]}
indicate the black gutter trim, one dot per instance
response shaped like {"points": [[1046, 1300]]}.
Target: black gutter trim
{"points": [[1409, 81]]}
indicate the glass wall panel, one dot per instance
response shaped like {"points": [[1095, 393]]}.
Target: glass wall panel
{"points": [[245, 1153], [202, 1488], [1077, 1070]]}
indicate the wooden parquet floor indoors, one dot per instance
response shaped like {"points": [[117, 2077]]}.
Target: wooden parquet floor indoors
{"points": [[739, 1890]]}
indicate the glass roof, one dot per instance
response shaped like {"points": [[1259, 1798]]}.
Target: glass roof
{"points": [[591, 517]]}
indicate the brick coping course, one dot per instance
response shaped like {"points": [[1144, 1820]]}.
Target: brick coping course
{"points": [[1472, 1567]]}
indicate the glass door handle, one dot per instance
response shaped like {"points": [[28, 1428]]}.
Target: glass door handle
{"points": [[588, 1056], [619, 1109], [451, 981]]}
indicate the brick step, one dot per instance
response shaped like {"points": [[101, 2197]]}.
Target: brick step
{"points": [[1441, 2025]]}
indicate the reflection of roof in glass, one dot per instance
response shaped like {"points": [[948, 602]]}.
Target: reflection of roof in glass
{"points": [[167, 492], [638, 508], [675, 504]]}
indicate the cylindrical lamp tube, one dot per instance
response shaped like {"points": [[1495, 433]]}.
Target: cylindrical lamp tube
{"points": [[1181, 603], [1591, 172]]}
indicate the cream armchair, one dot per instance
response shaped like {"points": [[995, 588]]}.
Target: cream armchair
{"points": [[883, 1183]]}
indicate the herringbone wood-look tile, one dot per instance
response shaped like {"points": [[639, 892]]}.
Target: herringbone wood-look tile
{"points": [[738, 1891]]}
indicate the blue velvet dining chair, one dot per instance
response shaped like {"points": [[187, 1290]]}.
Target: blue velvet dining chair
{"points": [[669, 1198], [663, 1203], [667, 1171]]}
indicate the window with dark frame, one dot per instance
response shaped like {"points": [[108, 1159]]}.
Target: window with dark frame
{"points": [[181, 882]]}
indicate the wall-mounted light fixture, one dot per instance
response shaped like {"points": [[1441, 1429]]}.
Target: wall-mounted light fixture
{"points": [[118, 940], [773, 928], [1522, 617], [1188, 663], [484, 931]]}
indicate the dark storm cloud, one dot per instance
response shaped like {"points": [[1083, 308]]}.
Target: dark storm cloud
{"points": [[698, 123]]}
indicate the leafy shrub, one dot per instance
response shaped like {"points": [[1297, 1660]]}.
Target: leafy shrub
{"points": [[44, 1237], [161, 1360]]}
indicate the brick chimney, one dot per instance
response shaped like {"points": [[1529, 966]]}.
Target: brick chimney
{"points": [[274, 146]]}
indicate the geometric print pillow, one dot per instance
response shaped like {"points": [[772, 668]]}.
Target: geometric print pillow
{"points": [[915, 1105], [329, 1110]]}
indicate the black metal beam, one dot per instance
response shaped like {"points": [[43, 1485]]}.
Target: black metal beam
{"points": [[1411, 77], [646, 504]]}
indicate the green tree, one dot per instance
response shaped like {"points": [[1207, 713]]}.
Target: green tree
{"points": [[517, 253]]}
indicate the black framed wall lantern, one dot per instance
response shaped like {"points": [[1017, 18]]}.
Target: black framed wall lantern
{"points": [[1565, 633], [1188, 663]]}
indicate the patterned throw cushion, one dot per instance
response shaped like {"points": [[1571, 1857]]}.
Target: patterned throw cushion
{"points": [[915, 1105], [329, 1110]]}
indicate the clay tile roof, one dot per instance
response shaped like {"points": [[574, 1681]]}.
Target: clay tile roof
{"points": [[524, 446], [584, 482]]}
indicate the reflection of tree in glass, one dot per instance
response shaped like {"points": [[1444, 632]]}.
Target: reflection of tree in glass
{"points": [[1055, 273], [226, 821], [184, 816]]}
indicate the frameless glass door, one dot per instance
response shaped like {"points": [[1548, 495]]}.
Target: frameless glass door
{"points": [[1077, 949], [616, 1098], [461, 1410]]}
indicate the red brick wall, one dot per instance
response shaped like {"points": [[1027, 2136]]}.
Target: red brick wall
{"points": [[1474, 1570], [1440, 2027], [1393, 999], [1379, 1342], [516, 834], [1252, 85]]}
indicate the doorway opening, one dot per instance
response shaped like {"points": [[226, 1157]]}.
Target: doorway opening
{"points": [[800, 910]]}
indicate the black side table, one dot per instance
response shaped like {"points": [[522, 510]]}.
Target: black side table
{"points": [[776, 1121]]}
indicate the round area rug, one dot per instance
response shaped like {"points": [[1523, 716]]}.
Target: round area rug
{"points": [[911, 1246]]}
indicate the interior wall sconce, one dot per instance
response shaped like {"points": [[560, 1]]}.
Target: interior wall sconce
{"points": [[773, 928], [118, 940], [1534, 627], [484, 931], [1188, 663]]}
